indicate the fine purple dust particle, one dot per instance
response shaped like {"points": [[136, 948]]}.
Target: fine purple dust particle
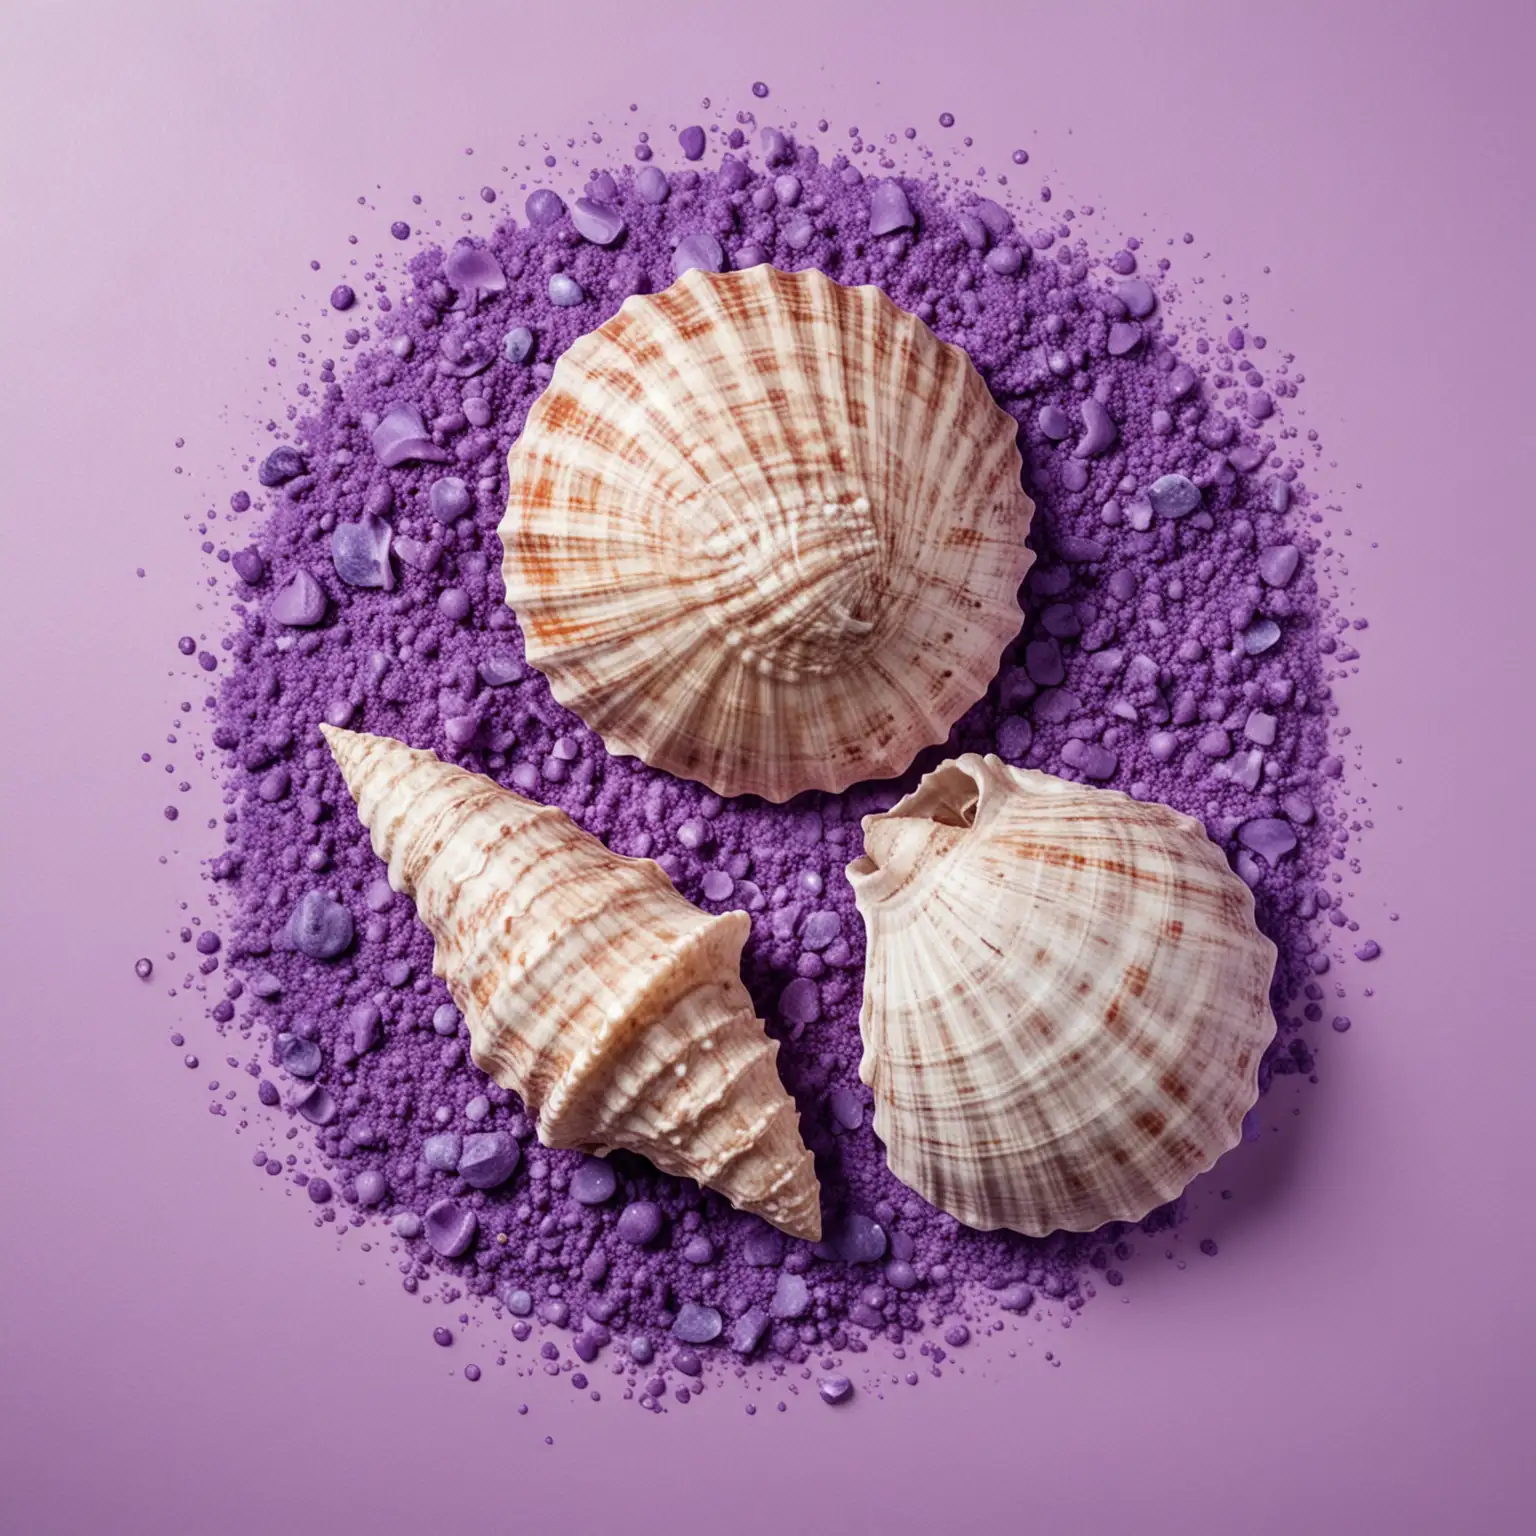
{"points": [[1178, 646]]}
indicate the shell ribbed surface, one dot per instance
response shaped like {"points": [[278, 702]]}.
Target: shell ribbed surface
{"points": [[766, 532], [611, 1005], [1065, 1001]]}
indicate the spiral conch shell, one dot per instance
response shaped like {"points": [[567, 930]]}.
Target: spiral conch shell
{"points": [[1065, 999], [766, 532], [611, 1005]]}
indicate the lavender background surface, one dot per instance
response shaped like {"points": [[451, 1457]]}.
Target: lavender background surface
{"points": [[180, 1351]]}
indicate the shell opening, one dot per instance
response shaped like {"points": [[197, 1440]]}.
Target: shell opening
{"points": [[933, 820]]}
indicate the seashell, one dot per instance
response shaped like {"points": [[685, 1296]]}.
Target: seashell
{"points": [[611, 1005], [767, 532], [1065, 997]]}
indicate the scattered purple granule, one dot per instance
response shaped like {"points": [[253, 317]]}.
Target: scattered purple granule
{"points": [[1163, 561]]}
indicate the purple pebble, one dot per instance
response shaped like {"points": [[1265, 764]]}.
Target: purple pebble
{"points": [[1054, 423], [1124, 337], [1269, 837], [1099, 431], [1368, 951], [834, 1389], [697, 1324], [319, 1191], [594, 1182], [449, 499], [248, 566], [371, 1187], [1278, 563], [1173, 496], [279, 467], [800, 1001], [1016, 1298], [489, 1159], [748, 1330], [300, 602], [701, 251], [889, 209], [1137, 296], [1005, 260], [401, 436], [360, 553], [651, 186], [342, 297], [450, 1228], [639, 1223], [317, 1106], [691, 141], [565, 292], [320, 927], [453, 603], [543, 207], [597, 222]]}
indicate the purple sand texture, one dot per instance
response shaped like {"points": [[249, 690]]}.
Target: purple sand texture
{"points": [[1137, 667]]}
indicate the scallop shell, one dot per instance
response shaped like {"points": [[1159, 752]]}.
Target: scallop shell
{"points": [[1065, 997], [611, 1005], [767, 532]]}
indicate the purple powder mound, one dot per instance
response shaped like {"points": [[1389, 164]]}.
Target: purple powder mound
{"points": [[1175, 648]]}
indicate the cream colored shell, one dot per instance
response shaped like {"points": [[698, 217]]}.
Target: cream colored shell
{"points": [[766, 532], [611, 1005], [1065, 997]]}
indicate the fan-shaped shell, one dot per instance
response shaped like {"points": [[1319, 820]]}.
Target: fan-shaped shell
{"points": [[592, 989], [767, 532], [1065, 997]]}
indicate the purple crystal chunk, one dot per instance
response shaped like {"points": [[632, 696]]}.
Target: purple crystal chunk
{"points": [[450, 1228], [791, 1297], [701, 251], [748, 1330], [889, 209], [360, 553], [1278, 563], [319, 926], [317, 1106], [489, 1159], [596, 221], [1099, 431], [300, 601], [696, 1324], [1173, 496], [1269, 837], [402, 436], [449, 499]]}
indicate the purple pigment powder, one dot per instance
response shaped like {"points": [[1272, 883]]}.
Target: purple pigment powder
{"points": [[1177, 646]]}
